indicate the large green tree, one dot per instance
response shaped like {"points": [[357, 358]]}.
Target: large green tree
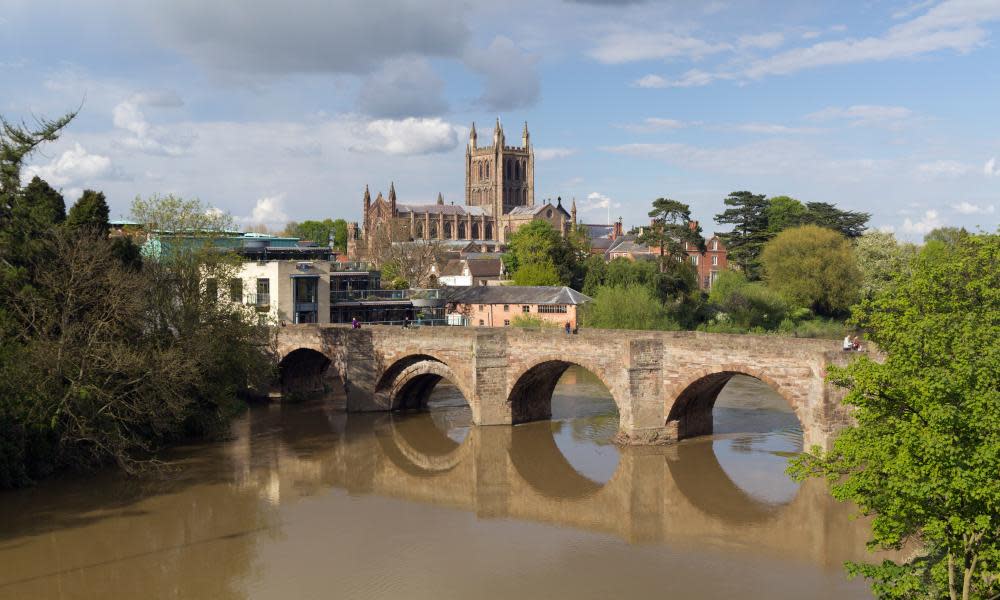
{"points": [[626, 307], [924, 457], [17, 142], [539, 244], [670, 230], [784, 212], [850, 224], [813, 267], [881, 259], [747, 213], [322, 232], [90, 212]]}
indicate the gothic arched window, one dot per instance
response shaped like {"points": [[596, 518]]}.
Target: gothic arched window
{"points": [[480, 170], [517, 170], [487, 170]]}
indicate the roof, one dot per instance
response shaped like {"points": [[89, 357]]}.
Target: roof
{"points": [[452, 268], [514, 294], [598, 231], [601, 243], [536, 209], [444, 209], [485, 267], [630, 247]]}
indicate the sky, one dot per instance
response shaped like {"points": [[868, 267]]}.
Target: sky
{"points": [[286, 110]]}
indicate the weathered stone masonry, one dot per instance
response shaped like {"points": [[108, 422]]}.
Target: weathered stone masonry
{"points": [[663, 383]]}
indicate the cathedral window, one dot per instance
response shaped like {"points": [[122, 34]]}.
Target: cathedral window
{"points": [[487, 170], [517, 170]]}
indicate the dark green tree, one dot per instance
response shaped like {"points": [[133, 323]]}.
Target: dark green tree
{"points": [[322, 232], [17, 142], [45, 202], [539, 244], [748, 216], [849, 223], [670, 230], [90, 212]]}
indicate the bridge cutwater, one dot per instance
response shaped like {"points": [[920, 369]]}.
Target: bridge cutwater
{"points": [[664, 384]]}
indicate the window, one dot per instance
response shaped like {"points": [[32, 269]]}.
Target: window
{"points": [[481, 323], [263, 291], [236, 290], [212, 289], [694, 259], [715, 244], [715, 260], [481, 307], [552, 308], [506, 307], [526, 308], [506, 323]]}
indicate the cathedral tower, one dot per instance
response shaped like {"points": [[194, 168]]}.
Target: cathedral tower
{"points": [[499, 177]]}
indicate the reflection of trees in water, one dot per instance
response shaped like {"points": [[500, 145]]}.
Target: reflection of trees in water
{"points": [[112, 537], [599, 429]]}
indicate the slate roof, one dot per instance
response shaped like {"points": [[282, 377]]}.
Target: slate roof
{"points": [[514, 294], [536, 209], [595, 232], [485, 267], [445, 209]]}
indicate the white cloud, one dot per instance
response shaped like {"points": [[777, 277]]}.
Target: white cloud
{"points": [[865, 115], [75, 165], [268, 210], [511, 79], [763, 40], [651, 81], [951, 25], [811, 35], [553, 153], [967, 208], [926, 224], [990, 169], [409, 136], [596, 201], [943, 168], [771, 129], [128, 117], [651, 124], [630, 46]]}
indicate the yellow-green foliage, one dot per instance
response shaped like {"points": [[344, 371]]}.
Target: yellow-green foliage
{"points": [[814, 267]]}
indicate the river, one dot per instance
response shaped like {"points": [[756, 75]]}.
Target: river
{"points": [[306, 501]]}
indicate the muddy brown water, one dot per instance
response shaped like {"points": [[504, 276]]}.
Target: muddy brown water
{"points": [[306, 501]]}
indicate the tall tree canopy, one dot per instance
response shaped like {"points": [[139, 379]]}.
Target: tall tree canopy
{"points": [[539, 244], [784, 212], [849, 223], [813, 267], [924, 456], [89, 212], [670, 230], [748, 216]]}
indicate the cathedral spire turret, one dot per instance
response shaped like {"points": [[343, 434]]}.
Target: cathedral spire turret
{"points": [[525, 136], [572, 211], [440, 199], [498, 140], [473, 138], [392, 197]]}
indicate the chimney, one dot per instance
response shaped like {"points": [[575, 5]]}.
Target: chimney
{"points": [[617, 231]]}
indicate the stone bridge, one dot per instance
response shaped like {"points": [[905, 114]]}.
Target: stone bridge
{"points": [[664, 384]]}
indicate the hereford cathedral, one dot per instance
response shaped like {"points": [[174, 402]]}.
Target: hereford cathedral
{"points": [[499, 199]]}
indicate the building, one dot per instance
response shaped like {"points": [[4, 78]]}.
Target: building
{"points": [[499, 199], [464, 272], [499, 306], [707, 264]]}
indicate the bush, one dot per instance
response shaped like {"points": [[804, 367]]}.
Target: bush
{"points": [[630, 307], [813, 266]]}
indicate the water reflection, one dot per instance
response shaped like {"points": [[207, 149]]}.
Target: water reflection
{"points": [[302, 482]]}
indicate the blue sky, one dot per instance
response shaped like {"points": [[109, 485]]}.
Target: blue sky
{"points": [[285, 110]]}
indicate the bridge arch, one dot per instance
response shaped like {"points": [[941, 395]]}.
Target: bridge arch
{"points": [[541, 464], [690, 403], [409, 382], [302, 371], [419, 448], [530, 395]]}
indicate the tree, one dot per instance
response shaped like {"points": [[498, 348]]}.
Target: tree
{"points": [[670, 230], [813, 267], [17, 142], [784, 212], [89, 212], [880, 259], [538, 243], [924, 455], [947, 235], [537, 273], [45, 202], [173, 214], [744, 243], [322, 232], [626, 307], [850, 224], [746, 304]]}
